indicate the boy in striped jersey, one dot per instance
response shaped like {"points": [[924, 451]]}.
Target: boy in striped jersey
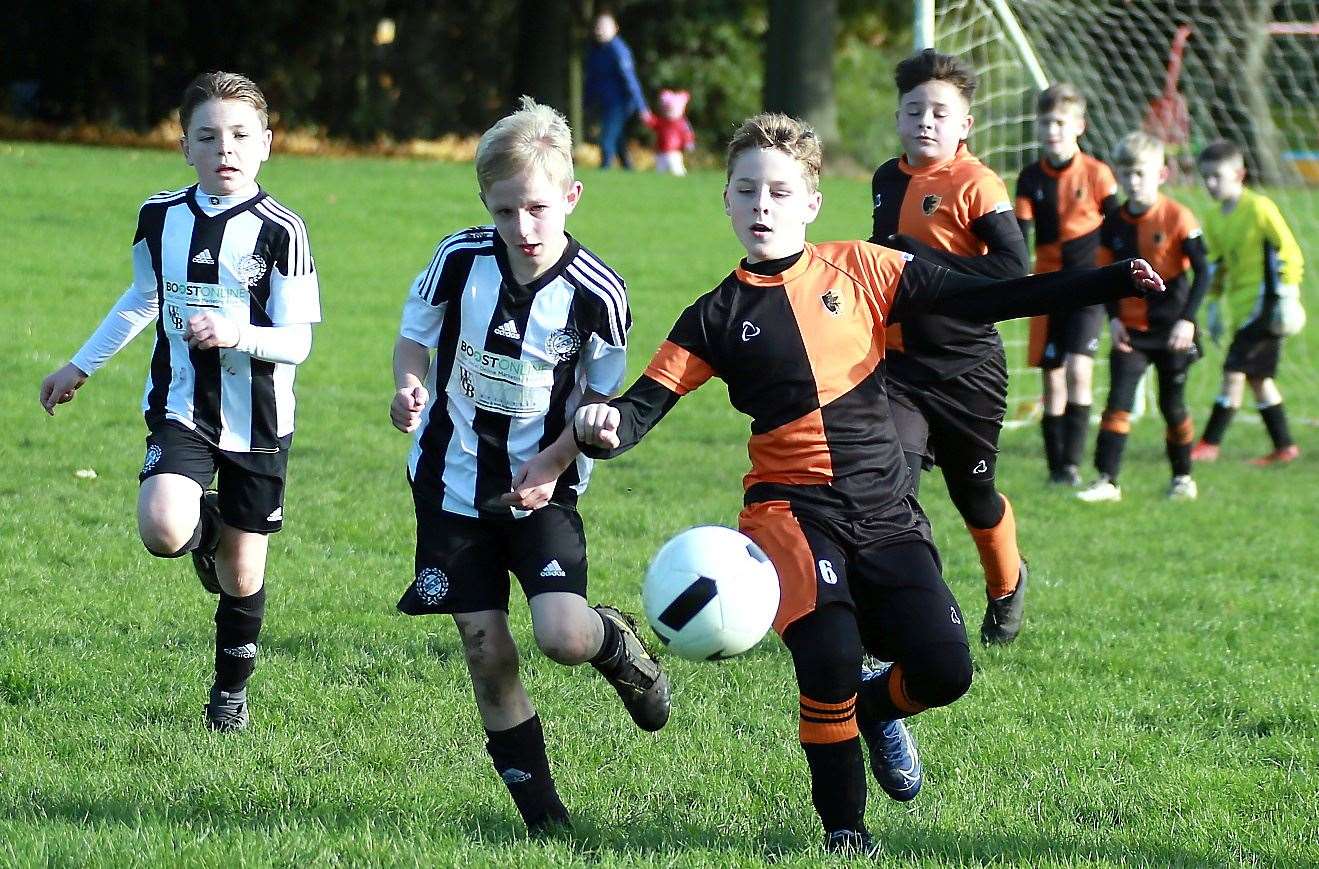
{"points": [[525, 324], [226, 275]]}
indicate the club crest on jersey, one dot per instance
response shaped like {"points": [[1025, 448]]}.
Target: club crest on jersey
{"points": [[251, 269], [1039, 195], [1159, 238], [832, 302], [432, 585], [563, 344], [1080, 193], [930, 203]]}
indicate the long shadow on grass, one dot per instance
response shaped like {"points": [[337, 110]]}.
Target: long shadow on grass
{"points": [[663, 834]]}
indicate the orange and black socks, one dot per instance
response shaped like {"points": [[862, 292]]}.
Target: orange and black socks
{"points": [[518, 754], [833, 752], [999, 556]]}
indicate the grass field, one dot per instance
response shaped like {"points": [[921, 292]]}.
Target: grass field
{"points": [[1161, 707]]}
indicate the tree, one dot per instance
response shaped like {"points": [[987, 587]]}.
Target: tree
{"points": [[799, 62]]}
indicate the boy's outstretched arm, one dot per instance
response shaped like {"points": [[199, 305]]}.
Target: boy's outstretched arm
{"points": [[411, 362], [1007, 257], [535, 481], [927, 289], [603, 431]]}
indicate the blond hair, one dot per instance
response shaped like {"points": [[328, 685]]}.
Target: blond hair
{"points": [[220, 85], [1062, 96], [535, 136], [778, 132], [1136, 147]]}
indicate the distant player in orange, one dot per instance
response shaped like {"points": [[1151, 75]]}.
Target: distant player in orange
{"points": [[1158, 332], [1064, 197], [949, 377], [796, 332]]}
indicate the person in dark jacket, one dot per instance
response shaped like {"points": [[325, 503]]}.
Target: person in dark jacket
{"points": [[612, 89]]}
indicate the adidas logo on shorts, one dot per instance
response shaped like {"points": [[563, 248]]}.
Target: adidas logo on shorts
{"points": [[204, 258], [552, 569], [276, 515], [247, 650], [509, 330]]}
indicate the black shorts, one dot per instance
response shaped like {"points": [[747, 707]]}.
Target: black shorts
{"points": [[1255, 352], [1126, 367], [954, 423], [462, 562], [822, 560], [251, 485], [1074, 333]]}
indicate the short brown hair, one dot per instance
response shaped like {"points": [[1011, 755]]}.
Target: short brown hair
{"points": [[1221, 151], [930, 65], [221, 86], [1060, 97], [1137, 146], [535, 136], [779, 132]]}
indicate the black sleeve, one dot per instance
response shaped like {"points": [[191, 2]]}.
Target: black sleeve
{"points": [[1025, 226], [640, 409], [1007, 256], [1195, 250], [929, 289], [1109, 205]]}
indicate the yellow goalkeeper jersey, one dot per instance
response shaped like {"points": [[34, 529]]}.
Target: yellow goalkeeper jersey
{"points": [[1254, 250]]}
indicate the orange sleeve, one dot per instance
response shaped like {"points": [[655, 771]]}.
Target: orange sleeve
{"points": [[986, 194], [678, 369], [1105, 182], [1025, 208]]}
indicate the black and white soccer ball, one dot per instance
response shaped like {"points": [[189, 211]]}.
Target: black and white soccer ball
{"points": [[710, 593]]}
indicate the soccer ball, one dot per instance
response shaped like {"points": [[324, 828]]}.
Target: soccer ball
{"points": [[710, 593]]}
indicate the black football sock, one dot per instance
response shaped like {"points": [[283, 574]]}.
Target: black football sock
{"points": [[1275, 420], [610, 646], [1219, 419], [838, 783], [519, 757], [1076, 424], [237, 629], [1179, 456], [1051, 427], [1108, 453]]}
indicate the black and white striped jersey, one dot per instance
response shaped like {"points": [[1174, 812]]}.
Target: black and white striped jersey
{"points": [[250, 263], [511, 364]]}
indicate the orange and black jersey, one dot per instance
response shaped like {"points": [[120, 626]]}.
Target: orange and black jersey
{"points": [[1168, 236], [955, 214], [1066, 207], [800, 352]]}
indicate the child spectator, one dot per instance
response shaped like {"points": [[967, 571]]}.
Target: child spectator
{"points": [[673, 134]]}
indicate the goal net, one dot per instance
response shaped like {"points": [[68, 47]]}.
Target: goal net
{"points": [[1190, 72]]}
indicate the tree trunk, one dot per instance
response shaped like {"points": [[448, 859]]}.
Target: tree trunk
{"points": [[799, 63]]}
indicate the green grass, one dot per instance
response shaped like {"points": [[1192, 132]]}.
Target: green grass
{"points": [[1160, 707]]}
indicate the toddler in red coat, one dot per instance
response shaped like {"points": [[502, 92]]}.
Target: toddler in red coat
{"points": [[673, 134]]}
